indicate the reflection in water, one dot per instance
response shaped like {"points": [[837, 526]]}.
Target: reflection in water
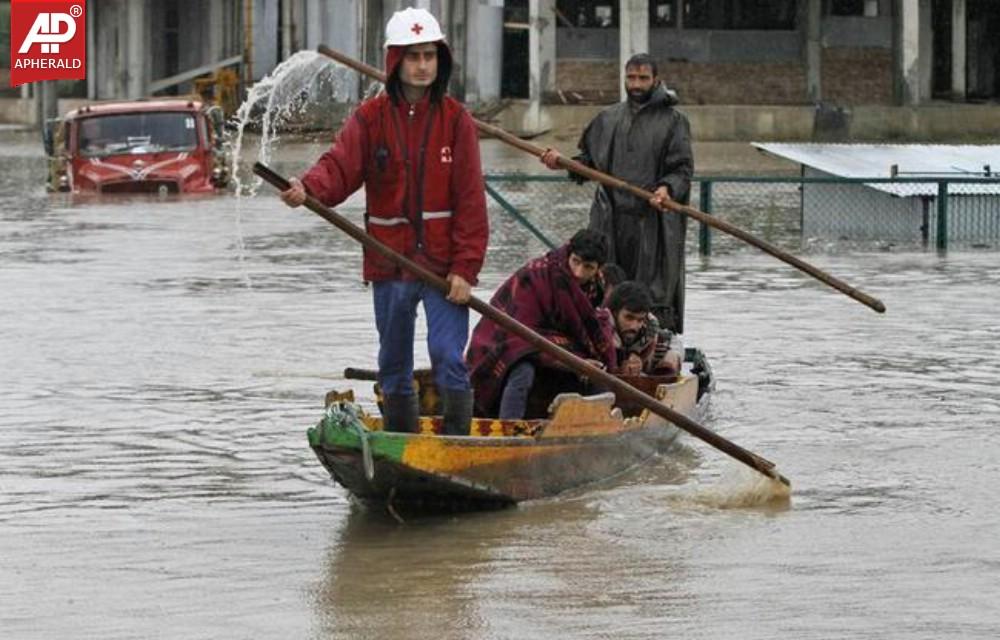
{"points": [[487, 575], [611, 557], [387, 581]]}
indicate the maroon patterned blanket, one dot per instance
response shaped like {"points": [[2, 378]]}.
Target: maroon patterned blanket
{"points": [[544, 296]]}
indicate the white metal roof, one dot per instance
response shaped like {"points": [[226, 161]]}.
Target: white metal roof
{"points": [[912, 160]]}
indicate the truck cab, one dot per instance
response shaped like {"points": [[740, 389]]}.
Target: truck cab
{"points": [[143, 146]]}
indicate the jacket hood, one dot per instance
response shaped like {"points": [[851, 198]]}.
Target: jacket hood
{"points": [[663, 95], [394, 57]]}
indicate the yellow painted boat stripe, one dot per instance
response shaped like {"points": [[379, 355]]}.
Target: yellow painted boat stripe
{"points": [[441, 456]]}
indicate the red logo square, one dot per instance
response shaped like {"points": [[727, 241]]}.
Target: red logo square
{"points": [[48, 40]]}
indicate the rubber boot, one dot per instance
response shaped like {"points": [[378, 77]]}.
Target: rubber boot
{"points": [[401, 413], [456, 410]]}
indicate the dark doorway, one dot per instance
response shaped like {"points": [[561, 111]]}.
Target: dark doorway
{"points": [[941, 58], [514, 74], [983, 50]]}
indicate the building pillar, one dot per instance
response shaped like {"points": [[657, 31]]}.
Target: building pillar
{"points": [[958, 49], [483, 66], [92, 52], [541, 46], [287, 28], [541, 63], [340, 27], [925, 60], [137, 57], [314, 24], [373, 33], [390, 7], [106, 59], [814, 50], [448, 11], [909, 52], [434, 6], [214, 42], [633, 35], [337, 26], [46, 102], [456, 31], [264, 41]]}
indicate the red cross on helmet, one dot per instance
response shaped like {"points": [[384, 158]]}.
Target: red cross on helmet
{"points": [[412, 26]]}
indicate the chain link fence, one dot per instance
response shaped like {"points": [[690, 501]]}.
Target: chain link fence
{"points": [[799, 215]]}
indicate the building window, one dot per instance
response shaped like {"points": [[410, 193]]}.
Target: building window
{"points": [[595, 14], [516, 12], [740, 14], [663, 13], [867, 8]]}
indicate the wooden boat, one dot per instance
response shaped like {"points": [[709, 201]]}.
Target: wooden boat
{"points": [[513, 466], [584, 439]]}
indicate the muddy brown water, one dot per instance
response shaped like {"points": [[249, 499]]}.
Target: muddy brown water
{"points": [[161, 361]]}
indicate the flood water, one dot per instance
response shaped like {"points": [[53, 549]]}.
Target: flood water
{"points": [[161, 361]]}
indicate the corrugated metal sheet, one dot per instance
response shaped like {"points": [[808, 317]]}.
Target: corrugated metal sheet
{"points": [[913, 160]]}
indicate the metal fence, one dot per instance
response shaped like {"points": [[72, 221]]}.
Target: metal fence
{"points": [[797, 214]]}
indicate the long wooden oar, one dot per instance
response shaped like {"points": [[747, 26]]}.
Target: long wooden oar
{"points": [[616, 183], [574, 363]]}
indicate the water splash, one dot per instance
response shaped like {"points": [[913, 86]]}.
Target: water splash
{"points": [[740, 487], [306, 91]]}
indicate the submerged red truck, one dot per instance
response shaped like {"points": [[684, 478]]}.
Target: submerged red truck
{"points": [[144, 146]]}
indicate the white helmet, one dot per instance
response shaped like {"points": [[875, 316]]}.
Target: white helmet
{"points": [[412, 26]]}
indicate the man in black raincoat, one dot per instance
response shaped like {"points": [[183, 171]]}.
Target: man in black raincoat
{"points": [[646, 142]]}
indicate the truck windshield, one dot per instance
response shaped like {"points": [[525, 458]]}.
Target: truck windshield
{"points": [[146, 132]]}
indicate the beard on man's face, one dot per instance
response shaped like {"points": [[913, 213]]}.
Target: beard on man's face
{"points": [[641, 96], [629, 336]]}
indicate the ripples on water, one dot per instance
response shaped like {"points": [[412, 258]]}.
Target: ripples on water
{"points": [[162, 359]]}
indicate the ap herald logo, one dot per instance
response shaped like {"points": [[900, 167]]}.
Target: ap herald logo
{"points": [[48, 40]]}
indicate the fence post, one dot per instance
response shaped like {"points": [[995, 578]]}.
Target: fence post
{"points": [[705, 231], [925, 224], [942, 216]]}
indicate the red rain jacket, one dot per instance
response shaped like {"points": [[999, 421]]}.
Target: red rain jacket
{"points": [[423, 182]]}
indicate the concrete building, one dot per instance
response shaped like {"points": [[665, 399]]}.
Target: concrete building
{"points": [[821, 56], [157, 47], [846, 52]]}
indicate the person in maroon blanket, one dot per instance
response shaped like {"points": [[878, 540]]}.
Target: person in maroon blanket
{"points": [[416, 151], [557, 295]]}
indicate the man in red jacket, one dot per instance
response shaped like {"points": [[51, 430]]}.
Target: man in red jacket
{"points": [[416, 151]]}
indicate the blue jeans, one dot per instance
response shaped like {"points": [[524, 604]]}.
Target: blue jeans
{"points": [[447, 332]]}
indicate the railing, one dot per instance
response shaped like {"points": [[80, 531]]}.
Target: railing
{"points": [[802, 214]]}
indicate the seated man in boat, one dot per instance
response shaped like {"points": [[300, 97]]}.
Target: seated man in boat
{"points": [[558, 295], [640, 344]]}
